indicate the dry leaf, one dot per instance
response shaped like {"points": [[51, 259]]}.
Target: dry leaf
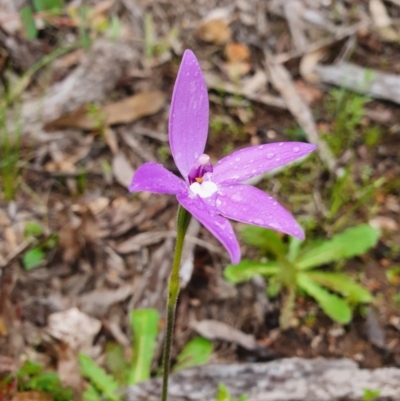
{"points": [[236, 70], [69, 60], [97, 302], [134, 107], [293, 10], [384, 223], [308, 63], [282, 81], [102, 7], [121, 112], [97, 205], [7, 364], [75, 328], [140, 240], [379, 14], [255, 83], [216, 31], [3, 327], [237, 52], [68, 368], [77, 232], [215, 330], [374, 330], [122, 169], [308, 93], [111, 140], [69, 242]]}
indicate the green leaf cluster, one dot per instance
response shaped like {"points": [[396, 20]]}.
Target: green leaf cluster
{"points": [[32, 376], [39, 6], [37, 254], [144, 326], [293, 267]]}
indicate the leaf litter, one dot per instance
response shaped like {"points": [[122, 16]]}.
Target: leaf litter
{"points": [[95, 116]]}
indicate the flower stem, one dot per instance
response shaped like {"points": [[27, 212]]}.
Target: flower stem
{"points": [[183, 220]]}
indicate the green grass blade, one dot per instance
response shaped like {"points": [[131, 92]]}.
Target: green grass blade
{"points": [[98, 377], [246, 269], [196, 352], [91, 394], [343, 284], [335, 307], [294, 248], [144, 323], [28, 22], [352, 242]]}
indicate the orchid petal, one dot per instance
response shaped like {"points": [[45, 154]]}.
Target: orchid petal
{"points": [[188, 120], [250, 205], [153, 177], [220, 227], [246, 163]]}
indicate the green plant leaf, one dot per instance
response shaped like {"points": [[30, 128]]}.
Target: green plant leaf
{"points": [[33, 229], [98, 377], [246, 269], [335, 307], [29, 368], [33, 258], [294, 248], [144, 323], [264, 239], [49, 382], [274, 286], [48, 5], [371, 395], [116, 363], [196, 352], [91, 394], [114, 31], [351, 242], [224, 395], [393, 275], [343, 284], [28, 22]]}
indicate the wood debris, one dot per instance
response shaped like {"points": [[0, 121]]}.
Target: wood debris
{"points": [[293, 379]]}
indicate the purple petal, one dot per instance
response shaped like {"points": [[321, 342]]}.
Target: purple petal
{"points": [[250, 205], [220, 227], [246, 163], [188, 119], [153, 177]]}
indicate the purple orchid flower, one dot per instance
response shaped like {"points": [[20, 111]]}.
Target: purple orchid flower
{"points": [[214, 194]]}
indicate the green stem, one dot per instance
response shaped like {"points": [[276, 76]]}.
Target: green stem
{"points": [[183, 221]]}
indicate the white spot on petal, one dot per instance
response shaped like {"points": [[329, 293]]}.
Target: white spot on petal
{"points": [[204, 190]]}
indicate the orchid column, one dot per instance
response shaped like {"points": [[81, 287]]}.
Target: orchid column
{"points": [[212, 194]]}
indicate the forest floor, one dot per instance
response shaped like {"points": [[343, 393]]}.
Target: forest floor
{"points": [[86, 89]]}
